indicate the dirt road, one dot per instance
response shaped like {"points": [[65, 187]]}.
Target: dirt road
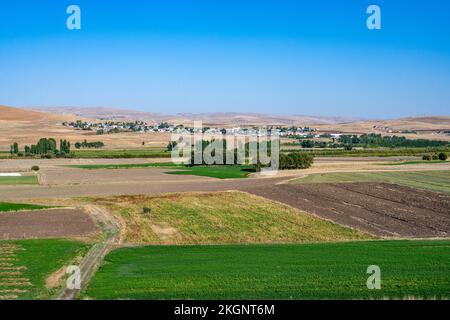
{"points": [[95, 256]]}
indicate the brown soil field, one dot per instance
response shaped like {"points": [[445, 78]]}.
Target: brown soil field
{"points": [[52, 223], [58, 181], [378, 208]]}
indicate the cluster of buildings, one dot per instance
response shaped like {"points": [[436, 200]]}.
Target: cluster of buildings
{"points": [[140, 126]]}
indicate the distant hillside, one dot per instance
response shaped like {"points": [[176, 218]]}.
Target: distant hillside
{"points": [[213, 118], [15, 114]]}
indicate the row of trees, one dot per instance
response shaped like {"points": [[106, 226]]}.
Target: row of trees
{"points": [[371, 140], [45, 146], [296, 160], [435, 156], [85, 144], [377, 140]]}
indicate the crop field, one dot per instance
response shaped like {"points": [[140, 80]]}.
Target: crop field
{"points": [[26, 264], [6, 206], [368, 152], [409, 269], [143, 153], [52, 223], [19, 180], [387, 210], [219, 172], [214, 171], [223, 217], [414, 162], [126, 166], [438, 181]]}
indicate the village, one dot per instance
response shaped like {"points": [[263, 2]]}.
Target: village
{"points": [[109, 127]]}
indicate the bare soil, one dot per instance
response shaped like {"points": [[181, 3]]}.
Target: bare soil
{"points": [[378, 208], [53, 223]]}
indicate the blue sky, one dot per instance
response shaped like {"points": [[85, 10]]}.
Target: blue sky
{"points": [[271, 56]]}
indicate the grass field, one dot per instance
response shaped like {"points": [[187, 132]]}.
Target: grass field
{"points": [[222, 217], [416, 269], [438, 181], [19, 180], [215, 171], [220, 172], [26, 264], [5, 207]]}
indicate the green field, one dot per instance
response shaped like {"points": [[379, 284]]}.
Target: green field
{"points": [[438, 181], [126, 165], [92, 154], [218, 218], [19, 180], [6, 206], [369, 152], [417, 269], [214, 171], [217, 171], [33, 261]]}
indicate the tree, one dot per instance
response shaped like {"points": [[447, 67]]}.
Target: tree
{"points": [[295, 160], [171, 145], [16, 148], [64, 146], [442, 156]]}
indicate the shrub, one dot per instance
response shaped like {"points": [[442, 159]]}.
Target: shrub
{"points": [[442, 156], [146, 210], [426, 157], [35, 168], [295, 160], [435, 157], [46, 156]]}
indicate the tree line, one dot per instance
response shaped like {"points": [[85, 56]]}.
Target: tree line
{"points": [[46, 147], [85, 144], [296, 160], [372, 140]]}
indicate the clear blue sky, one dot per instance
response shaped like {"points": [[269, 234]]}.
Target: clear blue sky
{"points": [[269, 56]]}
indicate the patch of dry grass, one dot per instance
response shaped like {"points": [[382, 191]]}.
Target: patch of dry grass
{"points": [[215, 218]]}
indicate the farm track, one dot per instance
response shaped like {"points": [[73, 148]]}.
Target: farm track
{"points": [[95, 256]]}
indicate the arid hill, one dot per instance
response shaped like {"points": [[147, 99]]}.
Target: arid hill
{"points": [[26, 126], [210, 118]]}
